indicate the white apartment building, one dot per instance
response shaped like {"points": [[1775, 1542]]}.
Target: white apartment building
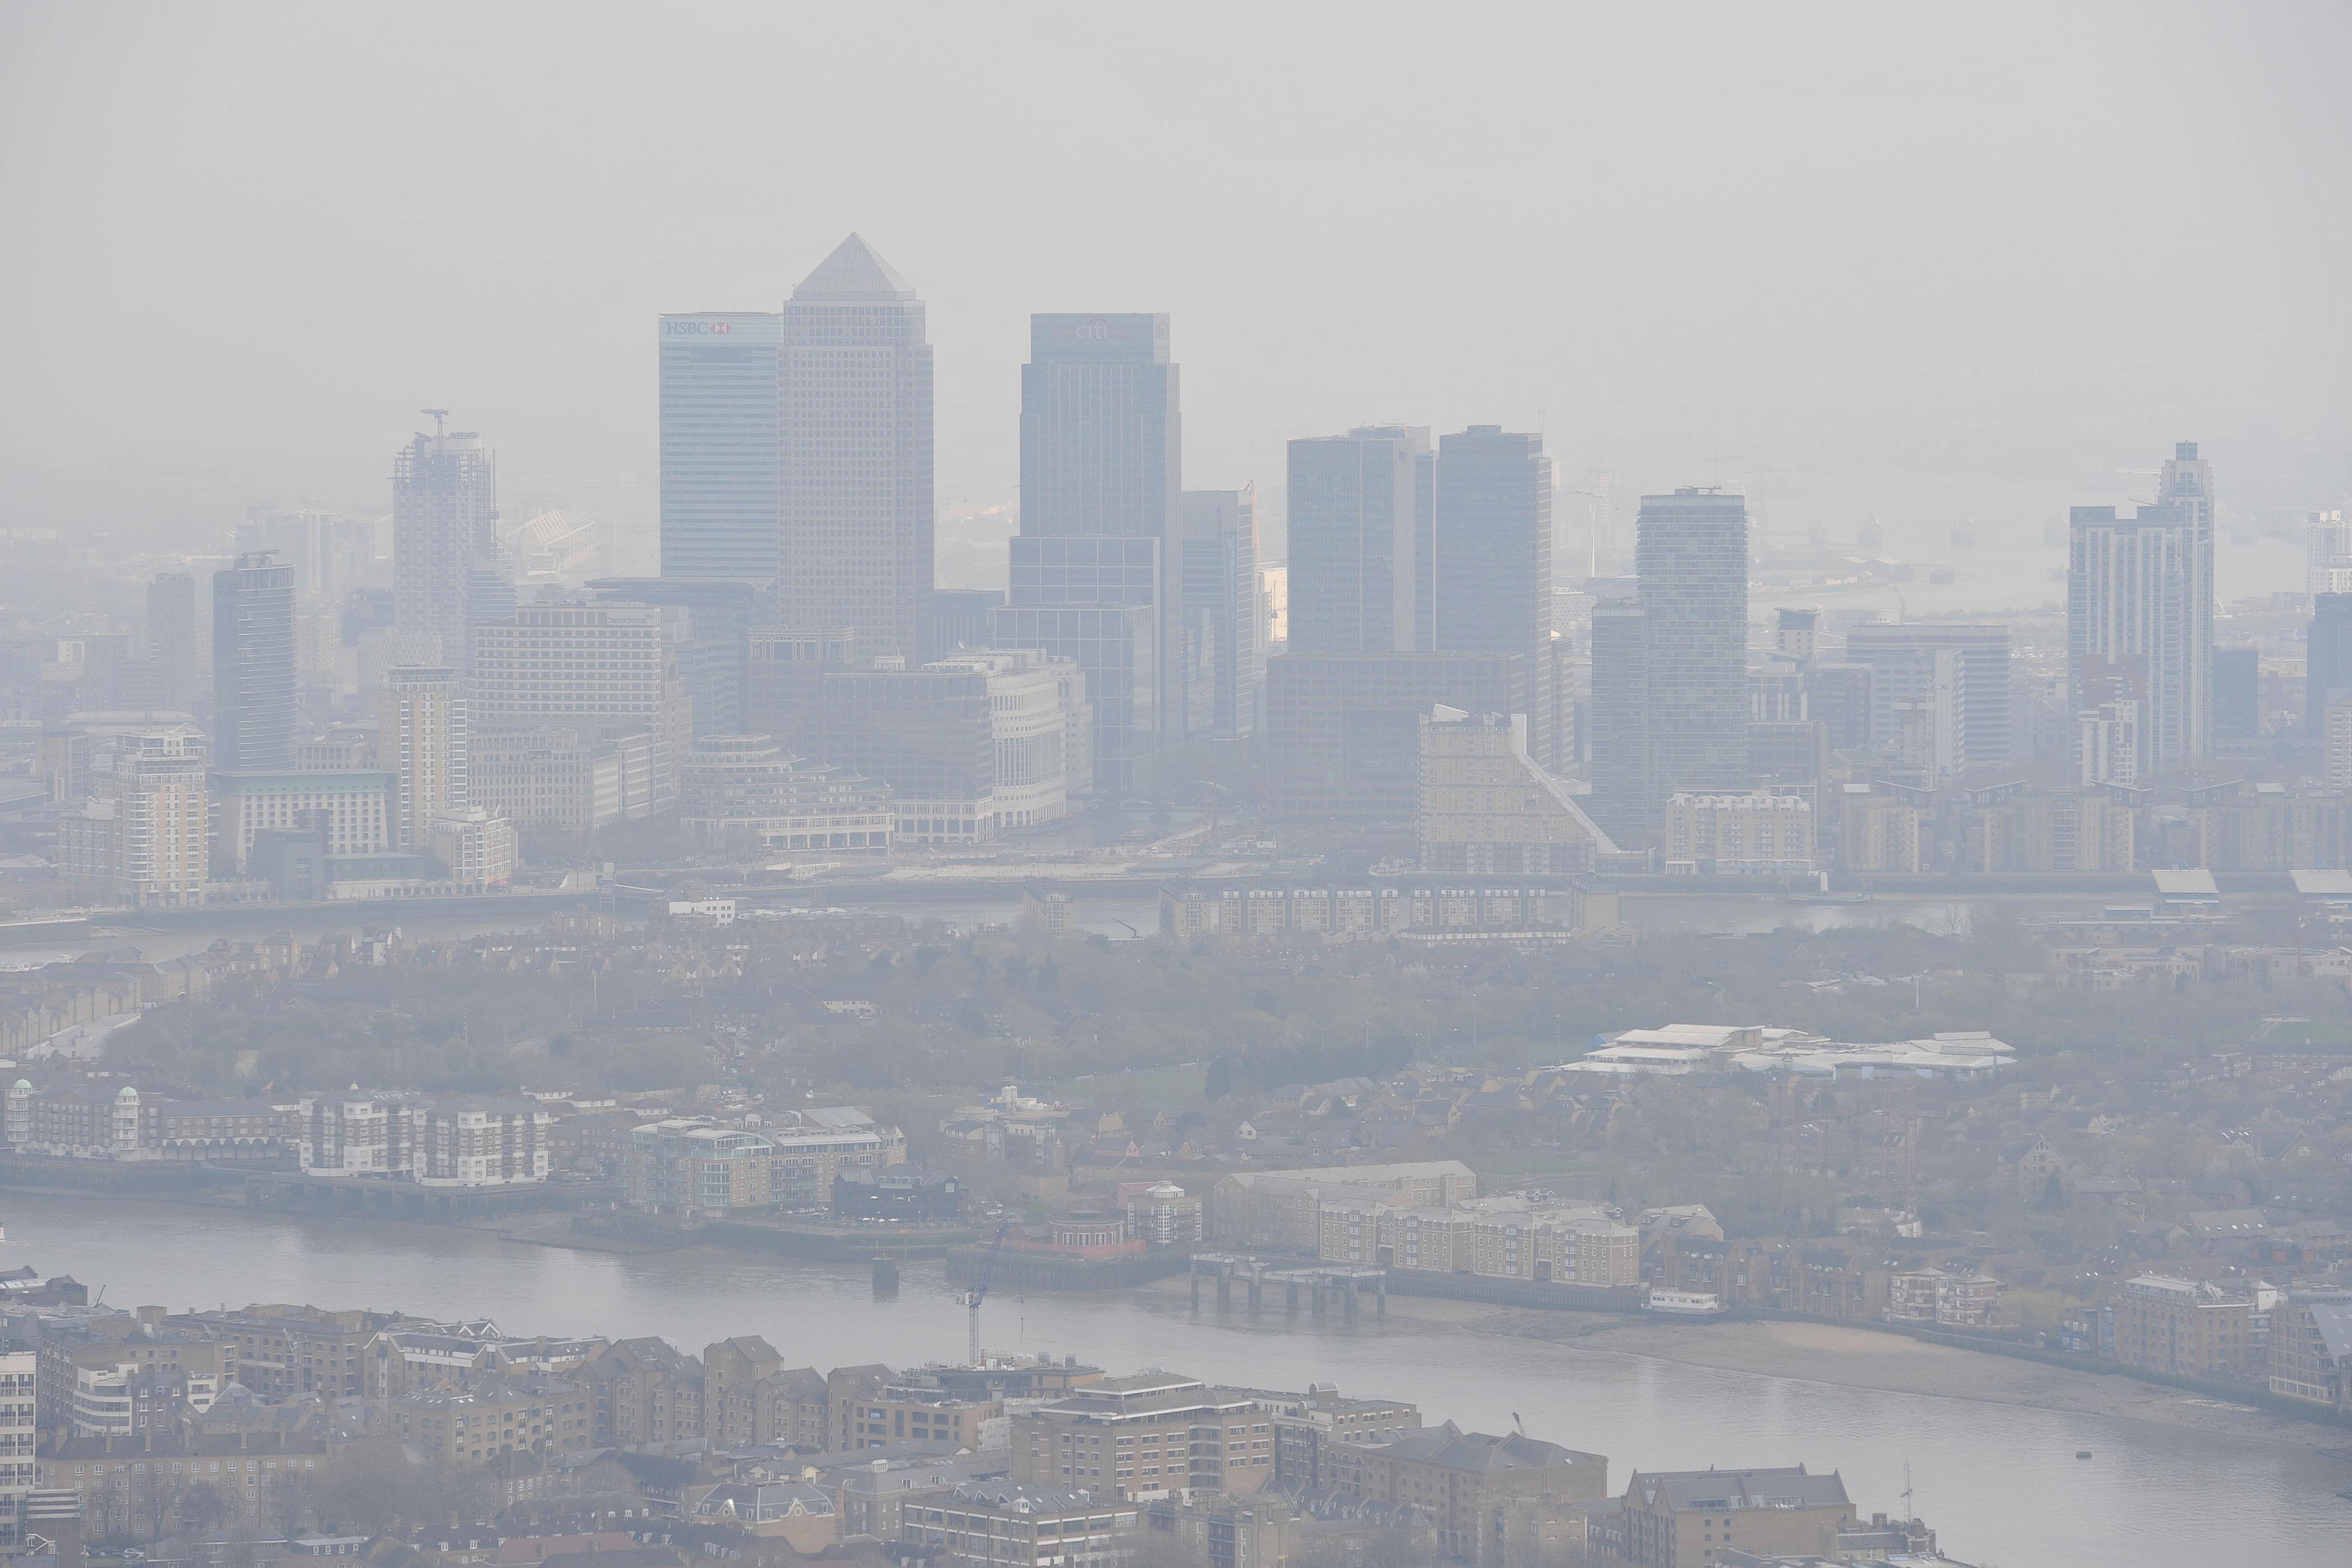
{"points": [[2107, 748], [478, 849], [142, 838], [470, 1142], [103, 1400], [421, 737], [19, 1373], [1741, 832], [2339, 743], [484, 1142]]}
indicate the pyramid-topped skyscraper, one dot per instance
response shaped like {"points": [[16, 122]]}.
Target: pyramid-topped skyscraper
{"points": [[853, 271], [854, 454]]}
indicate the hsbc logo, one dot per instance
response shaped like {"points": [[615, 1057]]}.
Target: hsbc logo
{"points": [[697, 329]]}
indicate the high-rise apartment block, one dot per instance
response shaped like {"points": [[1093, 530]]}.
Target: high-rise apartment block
{"points": [[1353, 511], [718, 443], [1101, 503], [1218, 568], [253, 665], [448, 574], [2335, 743], [2139, 614], [1492, 565], [142, 838], [854, 453], [2327, 552], [421, 736], [1691, 559], [1670, 691], [172, 639]]}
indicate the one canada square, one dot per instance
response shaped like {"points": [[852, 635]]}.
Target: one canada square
{"points": [[798, 447]]}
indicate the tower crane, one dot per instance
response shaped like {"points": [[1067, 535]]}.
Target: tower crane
{"points": [[979, 1293]]}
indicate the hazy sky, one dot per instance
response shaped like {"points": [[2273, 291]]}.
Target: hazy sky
{"points": [[1856, 258]]}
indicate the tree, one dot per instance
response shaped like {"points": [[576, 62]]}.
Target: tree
{"points": [[203, 1505], [288, 1497]]}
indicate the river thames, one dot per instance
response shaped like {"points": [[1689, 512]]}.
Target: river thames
{"points": [[1998, 1482]]}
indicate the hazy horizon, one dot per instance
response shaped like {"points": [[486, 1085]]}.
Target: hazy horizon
{"points": [[1855, 262]]}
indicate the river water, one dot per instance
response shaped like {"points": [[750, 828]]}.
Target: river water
{"points": [[1118, 915], [1999, 1483]]}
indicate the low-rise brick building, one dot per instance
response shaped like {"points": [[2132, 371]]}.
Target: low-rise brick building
{"points": [[1689, 1519]]}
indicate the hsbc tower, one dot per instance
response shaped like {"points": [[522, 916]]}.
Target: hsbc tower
{"points": [[719, 377]]}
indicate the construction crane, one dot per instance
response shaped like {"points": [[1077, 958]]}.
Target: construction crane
{"points": [[975, 1297]]}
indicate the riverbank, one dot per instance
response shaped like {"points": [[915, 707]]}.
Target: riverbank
{"points": [[1857, 1357], [1998, 1477]]}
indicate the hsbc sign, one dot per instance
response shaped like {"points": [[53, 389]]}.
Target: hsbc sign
{"points": [[697, 329]]}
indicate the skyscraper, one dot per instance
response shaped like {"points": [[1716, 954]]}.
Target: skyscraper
{"points": [[1670, 689], [421, 738], [1100, 437], [2236, 693], [1491, 568], [1353, 541], [1219, 566], [1618, 713], [720, 426], [1100, 505], [172, 639], [448, 575], [1691, 562], [253, 665], [2326, 658], [854, 453], [2139, 614], [1095, 600]]}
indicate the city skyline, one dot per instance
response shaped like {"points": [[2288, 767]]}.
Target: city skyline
{"points": [[505, 290]]}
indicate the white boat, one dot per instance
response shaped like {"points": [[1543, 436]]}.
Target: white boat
{"points": [[1686, 1304]]}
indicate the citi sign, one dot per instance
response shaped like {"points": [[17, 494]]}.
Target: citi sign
{"points": [[697, 329]]}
